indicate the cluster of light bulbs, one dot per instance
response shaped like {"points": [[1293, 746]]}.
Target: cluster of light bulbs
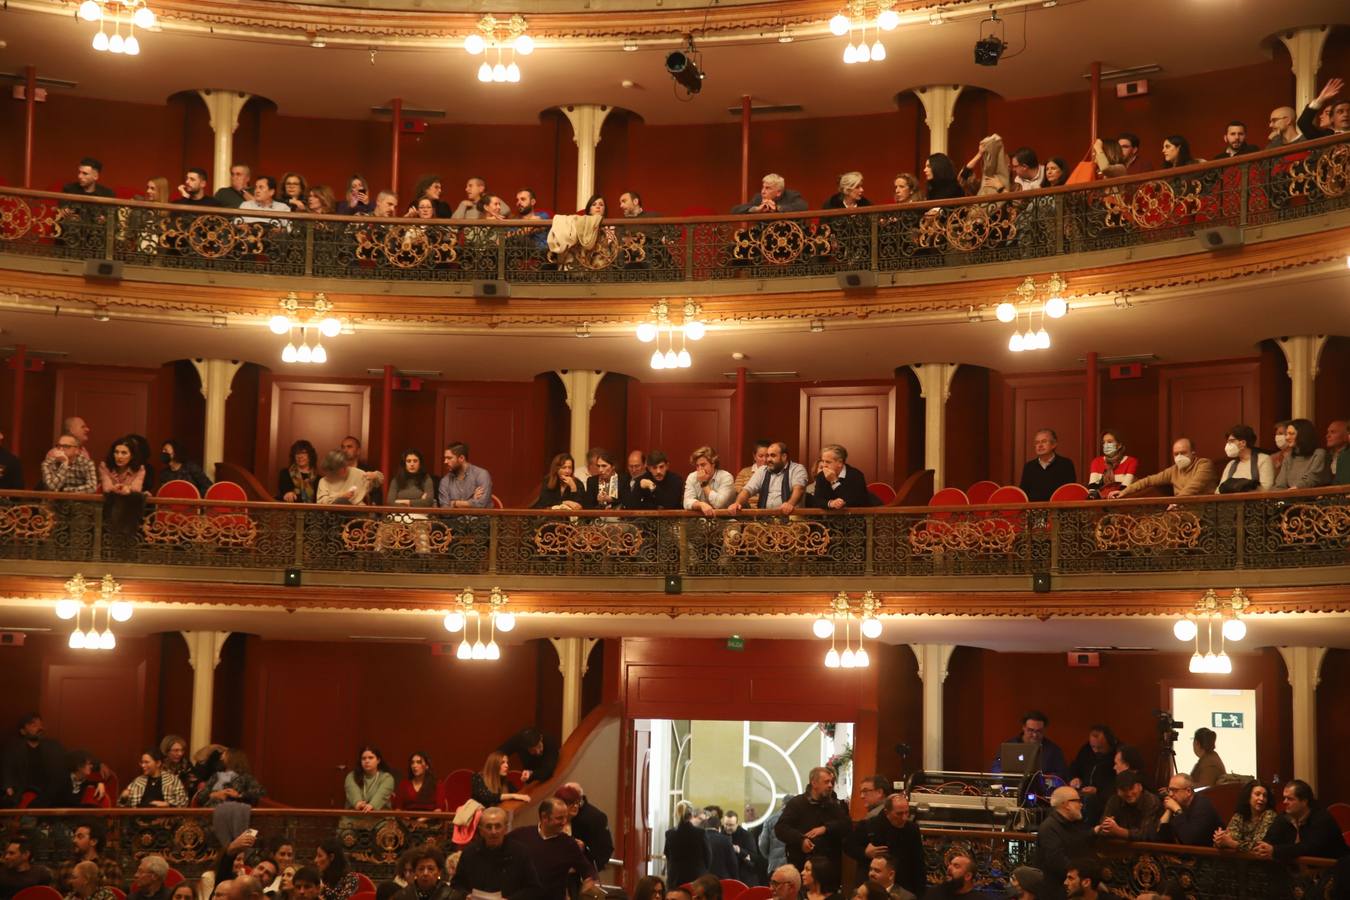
{"points": [[842, 24], [74, 605], [691, 329], [499, 619], [320, 321], [1055, 307], [1231, 628], [517, 41], [869, 626], [138, 16]]}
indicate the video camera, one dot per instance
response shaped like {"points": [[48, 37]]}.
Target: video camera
{"points": [[1167, 726]]}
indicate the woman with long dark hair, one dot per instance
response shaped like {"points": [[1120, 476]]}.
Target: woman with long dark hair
{"points": [[1176, 151], [336, 881], [299, 481], [1305, 464], [820, 879], [419, 791], [560, 489], [939, 174], [178, 468], [121, 479], [1251, 820], [370, 785], [411, 485], [490, 786], [650, 887]]}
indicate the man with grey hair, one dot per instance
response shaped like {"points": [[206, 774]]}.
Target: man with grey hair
{"points": [[838, 485], [785, 883], [815, 822], [1283, 131], [1187, 817], [492, 865], [1063, 837], [246, 887], [148, 882], [774, 196]]}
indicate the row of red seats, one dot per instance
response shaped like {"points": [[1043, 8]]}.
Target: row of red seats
{"points": [[991, 493]]}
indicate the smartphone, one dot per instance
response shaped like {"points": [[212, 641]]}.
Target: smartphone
{"points": [[251, 832]]}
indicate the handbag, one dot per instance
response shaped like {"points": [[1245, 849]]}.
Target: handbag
{"points": [[1084, 172]]}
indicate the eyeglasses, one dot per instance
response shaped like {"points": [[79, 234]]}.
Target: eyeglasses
{"points": [[67, 446]]}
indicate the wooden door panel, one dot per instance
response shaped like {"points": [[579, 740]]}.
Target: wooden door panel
{"points": [[99, 709], [1203, 402], [322, 414], [498, 423], [112, 402], [860, 419], [680, 418]]}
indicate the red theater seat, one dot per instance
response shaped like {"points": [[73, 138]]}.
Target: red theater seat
{"points": [[981, 491], [1069, 493], [883, 492]]}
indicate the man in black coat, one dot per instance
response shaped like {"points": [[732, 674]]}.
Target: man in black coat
{"points": [[815, 823], [632, 495], [1305, 829], [492, 866], [838, 485], [1187, 817], [1062, 838], [773, 197], [1048, 470], [665, 486], [32, 763], [538, 753], [747, 851], [686, 849], [1340, 113], [721, 852], [590, 825], [11, 470], [894, 833]]}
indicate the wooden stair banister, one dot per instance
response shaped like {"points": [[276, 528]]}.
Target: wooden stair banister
{"points": [[916, 490], [226, 471]]}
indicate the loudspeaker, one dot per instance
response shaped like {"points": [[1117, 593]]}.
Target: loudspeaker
{"points": [[292, 578], [1221, 238], [853, 281], [1040, 582], [673, 584], [103, 269], [492, 290]]}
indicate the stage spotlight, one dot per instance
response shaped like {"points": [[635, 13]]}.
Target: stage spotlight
{"points": [[682, 67], [989, 49]]}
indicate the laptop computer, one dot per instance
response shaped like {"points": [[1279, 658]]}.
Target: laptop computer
{"points": [[1019, 758]]}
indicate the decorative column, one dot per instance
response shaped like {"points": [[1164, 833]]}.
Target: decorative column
{"points": [[586, 119], [224, 107], [580, 385], [1305, 51], [939, 104], [1302, 353], [933, 659], [935, 386], [216, 376], [573, 661], [1305, 672], [203, 655]]}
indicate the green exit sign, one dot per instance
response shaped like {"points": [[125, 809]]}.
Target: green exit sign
{"points": [[735, 642], [1225, 720]]}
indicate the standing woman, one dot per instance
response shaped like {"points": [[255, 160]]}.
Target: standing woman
{"points": [[299, 481], [370, 785], [490, 786], [419, 792], [121, 477]]}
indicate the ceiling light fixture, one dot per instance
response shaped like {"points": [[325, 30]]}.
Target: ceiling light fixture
{"points": [[861, 15], [499, 619], [76, 602], [136, 13], [318, 318], [502, 36], [690, 329], [1054, 307], [866, 610], [1209, 609]]}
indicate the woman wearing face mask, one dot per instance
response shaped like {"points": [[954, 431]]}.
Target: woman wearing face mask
{"points": [[176, 468], [1281, 443], [1113, 470], [1248, 467], [1306, 465]]}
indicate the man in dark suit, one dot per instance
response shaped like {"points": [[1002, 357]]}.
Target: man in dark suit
{"points": [[1340, 113], [746, 849], [1049, 470], [658, 488], [773, 197], [838, 486], [721, 852], [631, 494]]}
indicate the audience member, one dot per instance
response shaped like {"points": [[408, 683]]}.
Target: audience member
{"points": [[686, 849], [1029, 883], [893, 835], [341, 483], [86, 181], [1250, 822], [386, 204], [709, 487], [649, 887], [1338, 441], [1281, 443], [493, 865], [490, 787], [429, 186], [1130, 759], [1176, 152], [294, 192], [774, 196], [18, 871], [1306, 465], [192, 192], [744, 844], [631, 493], [11, 470], [148, 881], [319, 201], [527, 205], [589, 824], [602, 491], [1093, 771], [1056, 173], [420, 791], [1189, 474], [356, 202], [815, 822], [1283, 131], [87, 841], [370, 784], [630, 204], [906, 188], [1082, 879], [780, 484], [881, 873], [32, 764], [850, 193], [412, 485], [154, 786], [560, 489], [86, 883], [708, 887], [121, 480], [1048, 470], [68, 470], [1052, 760], [239, 191], [1027, 171], [939, 175], [464, 485], [176, 468], [722, 861], [1305, 829], [1187, 817], [226, 778], [960, 880], [299, 481], [177, 763], [759, 460], [537, 752], [426, 881], [337, 881], [1128, 146], [665, 488], [1131, 813], [1114, 470], [553, 853], [1109, 159], [821, 879], [306, 883], [1249, 467], [469, 207], [1235, 140], [837, 486], [264, 197], [1208, 767], [351, 448], [1340, 113], [1062, 838]]}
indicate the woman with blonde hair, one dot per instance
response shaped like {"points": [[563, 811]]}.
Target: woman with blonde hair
{"points": [[86, 883], [850, 193], [490, 786]]}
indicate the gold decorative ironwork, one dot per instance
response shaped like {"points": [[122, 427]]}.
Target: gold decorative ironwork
{"points": [[397, 532], [1332, 172], [609, 538], [171, 526], [978, 536], [759, 538], [1304, 523], [27, 522], [1169, 530], [1156, 204], [16, 218], [782, 242], [972, 227]]}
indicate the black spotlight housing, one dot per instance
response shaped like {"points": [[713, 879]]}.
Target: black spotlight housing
{"points": [[988, 50], [684, 70]]}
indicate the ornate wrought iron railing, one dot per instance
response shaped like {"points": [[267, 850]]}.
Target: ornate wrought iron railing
{"points": [[1307, 179], [374, 841], [1277, 531]]}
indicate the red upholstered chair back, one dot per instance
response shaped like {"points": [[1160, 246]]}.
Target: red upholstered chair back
{"points": [[950, 497], [1069, 493], [981, 491], [1341, 813], [457, 787], [172, 877], [759, 892], [366, 885], [1007, 495], [732, 888], [38, 892], [883, 492], [179, 490]]}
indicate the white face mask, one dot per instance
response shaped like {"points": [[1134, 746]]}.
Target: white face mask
{"points": [[1281, 440], [1109, 448], [1182, 460], [1231, 448]]}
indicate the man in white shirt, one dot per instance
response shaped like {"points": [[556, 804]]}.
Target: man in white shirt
{"points": [[265, 197], [1028, 173], [780, 484]]}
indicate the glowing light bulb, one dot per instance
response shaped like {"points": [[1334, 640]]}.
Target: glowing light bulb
{"points": [[524, 45], [1234, 629], [303, 354], [658, 359], [320, 355], [1015, 343], [839, 25], [695, 330], [67, 609], [479, 650], [1042, 339], [91, 639], [475, 44], [288, 355], [1223, 665], [499, 73], [1005, 312], [330, 327], [1056, 307], [861, 660], [76, 641], [463, 651], [822, 627], [454, 622], [100, 42], [120, 610], [116, 44], [1185, 630], [863, 53], [279, 324], [672, 359], [144, 19], [878, 51], [1197, 665], [1210, 663], [646, 332], [493, 651], [684, 359], [506, 621], [850, 55], [485, 72], [888, 20], [107, 641], [871, 628], [846, 660], [132, 47], [513, 73], [832, 659], [90, 12]]}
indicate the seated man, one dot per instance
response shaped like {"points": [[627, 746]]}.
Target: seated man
{"points": [[1028, 173], [1189, 474], [86, 842], [491, 865], [780, 485], [1305, 829], [67, 470], [773, 197], [1131, 813], [241, 184], [265, 198], [148, 882], [192, 192], [1082, 879], [306, 883], [760, 460], [631, 493], [527, 207], [342, 483], [1283, 131], [708, 488], [427, 869], [18, 871], [666, 488], [837, 485], [1235, 141], [469, 207], [554, 854], [960, 880], [881, 872], [464, 485], [1048, 471], [86, 180], [1187, 817]]}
